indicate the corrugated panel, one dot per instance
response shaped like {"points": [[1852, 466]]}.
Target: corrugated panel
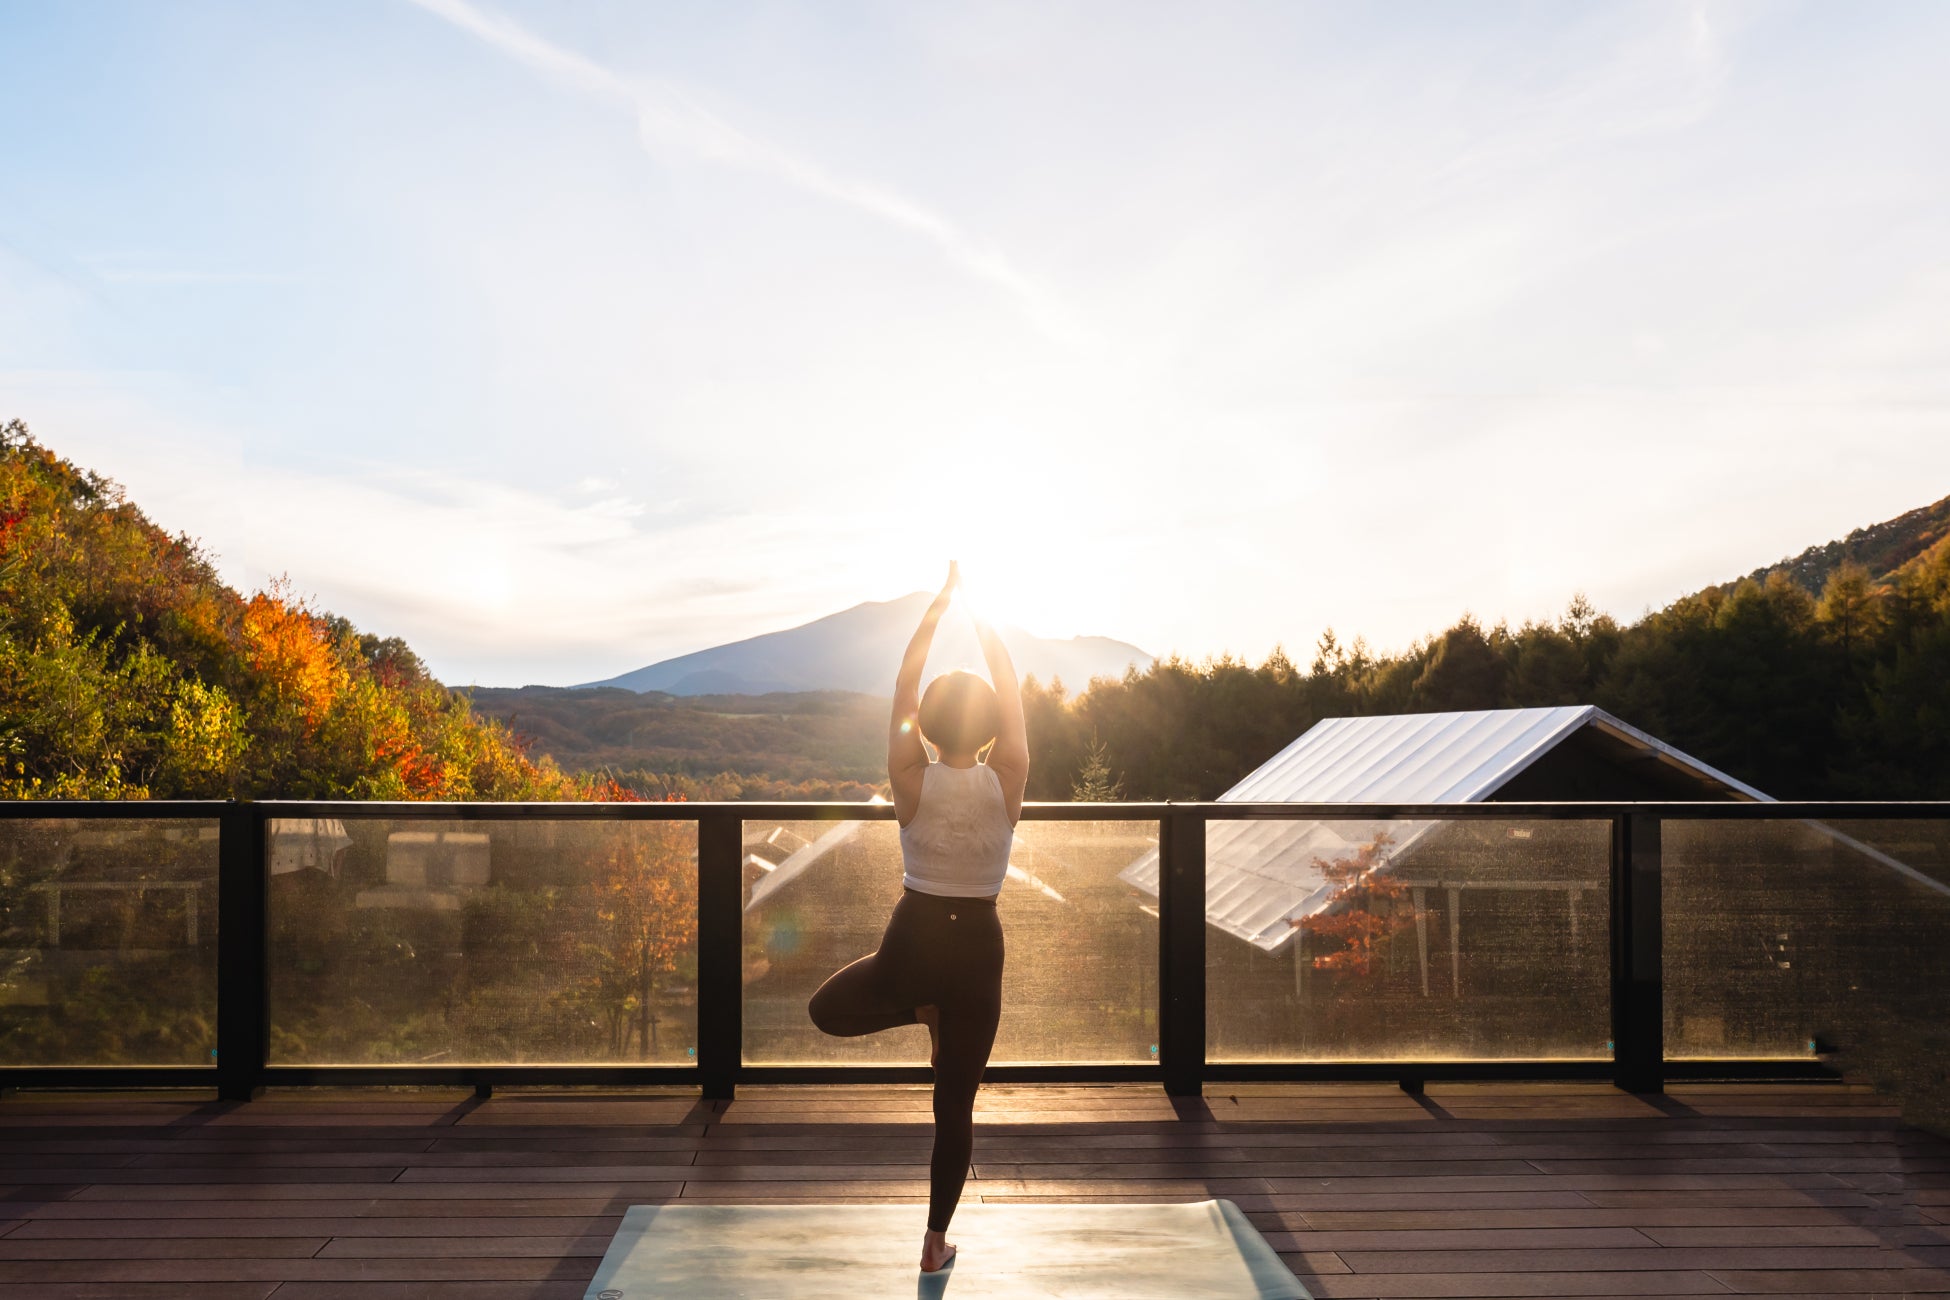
{"points": [[1408, 758], [1262, 877]]}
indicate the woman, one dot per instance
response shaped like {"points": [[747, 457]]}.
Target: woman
{"points": [[940, 961]]}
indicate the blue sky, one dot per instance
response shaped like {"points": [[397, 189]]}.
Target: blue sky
{"points": [[561, 338]]}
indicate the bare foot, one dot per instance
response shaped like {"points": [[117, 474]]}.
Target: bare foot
{"points": [[930, 1016], [936, 1252]]}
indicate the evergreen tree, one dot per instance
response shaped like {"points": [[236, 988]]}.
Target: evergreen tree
{"points": [[1094, 783]]}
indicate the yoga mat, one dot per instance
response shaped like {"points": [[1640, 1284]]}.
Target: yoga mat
{"points": [[1206, 1250]]}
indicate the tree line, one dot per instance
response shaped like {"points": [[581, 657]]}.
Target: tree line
{"points": [[1842, 693]]}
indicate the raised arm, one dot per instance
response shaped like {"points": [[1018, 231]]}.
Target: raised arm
{"points": [[1010, 756], [907, 758]]}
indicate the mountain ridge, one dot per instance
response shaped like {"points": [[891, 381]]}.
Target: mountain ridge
{"points": [[859, 648]]}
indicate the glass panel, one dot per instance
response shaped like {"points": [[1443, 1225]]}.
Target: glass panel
{"points": [[468, 942], [1407, 940], [1787, 939], [1080, 983], [108, 942]]}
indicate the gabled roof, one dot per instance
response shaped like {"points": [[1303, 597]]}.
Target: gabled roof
{"points": [[1439, 757], [1261, 877]]}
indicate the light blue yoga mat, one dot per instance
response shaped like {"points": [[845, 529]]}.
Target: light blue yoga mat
{"points": [[1206, 1250]]}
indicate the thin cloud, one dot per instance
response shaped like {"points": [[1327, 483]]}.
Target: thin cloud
{"points": [[667, 119]]}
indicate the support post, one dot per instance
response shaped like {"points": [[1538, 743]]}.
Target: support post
{"points": [[1421, 897], [1638, 955], [720, 954], [1455, 942], [243, 997], [1181, 953]]}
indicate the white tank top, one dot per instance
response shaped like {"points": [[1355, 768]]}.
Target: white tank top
{"points": [[957, 846]]}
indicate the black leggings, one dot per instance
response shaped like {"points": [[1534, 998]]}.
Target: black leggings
{"points": [[944, 952]]}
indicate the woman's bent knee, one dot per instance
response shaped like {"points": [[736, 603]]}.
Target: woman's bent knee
{"points": [[820, 1009]]}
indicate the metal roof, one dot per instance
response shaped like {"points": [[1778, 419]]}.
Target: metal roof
{"points": [[1262, 877]]}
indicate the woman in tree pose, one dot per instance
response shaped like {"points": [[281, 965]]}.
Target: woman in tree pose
{"points": [[940, 961]]}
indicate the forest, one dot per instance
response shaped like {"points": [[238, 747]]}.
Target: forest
{"points": [[1840, 692]]}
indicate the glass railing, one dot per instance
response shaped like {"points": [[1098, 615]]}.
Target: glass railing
{"points": [[108, 941], [1400, 940], [301, 943], [1079, 982], [1819, 937], [414, 942]]}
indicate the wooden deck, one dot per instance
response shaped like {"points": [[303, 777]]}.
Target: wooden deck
{"points": [[1471, 1190]]}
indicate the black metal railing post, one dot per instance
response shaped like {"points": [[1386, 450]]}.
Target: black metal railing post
{"points": [[243, 994], [1637, 955], [720, 953], [1181, 952]]}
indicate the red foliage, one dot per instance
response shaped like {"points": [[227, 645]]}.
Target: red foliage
{"points": [[1363, 911]]}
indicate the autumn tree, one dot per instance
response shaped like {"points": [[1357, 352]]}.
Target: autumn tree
{"points": [[646, 891], [1363, 911]]}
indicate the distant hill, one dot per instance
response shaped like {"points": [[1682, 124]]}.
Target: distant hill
{"points": [[766, 740], [1880, 548], [858, 649]]}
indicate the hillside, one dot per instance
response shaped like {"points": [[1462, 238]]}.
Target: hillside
{"points": [[129, 671], [820, 744], [858, 650], [1882, 549]]}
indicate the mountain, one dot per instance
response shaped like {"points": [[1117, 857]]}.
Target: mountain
{"points": [[859, 649], [1880, 548]]}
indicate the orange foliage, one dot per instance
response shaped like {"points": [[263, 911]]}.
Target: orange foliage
{"points": [[607, 789], [1352, 919], [290, 647]]}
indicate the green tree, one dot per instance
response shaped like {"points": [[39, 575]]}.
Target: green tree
{"points": [[1095, 782]]}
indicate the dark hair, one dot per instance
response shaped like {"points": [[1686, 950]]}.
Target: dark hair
{"points": [[959, 712]]}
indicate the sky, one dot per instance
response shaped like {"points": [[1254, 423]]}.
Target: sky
{"points": [[562, 338]]}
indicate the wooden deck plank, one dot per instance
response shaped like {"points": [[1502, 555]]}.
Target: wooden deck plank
{"points": [[1414, 1286], [1713, 1259], [1891, 1282], [332, 1228], [570, 1290], [141, 1291], [170, 1247], [1474, 1189]]}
